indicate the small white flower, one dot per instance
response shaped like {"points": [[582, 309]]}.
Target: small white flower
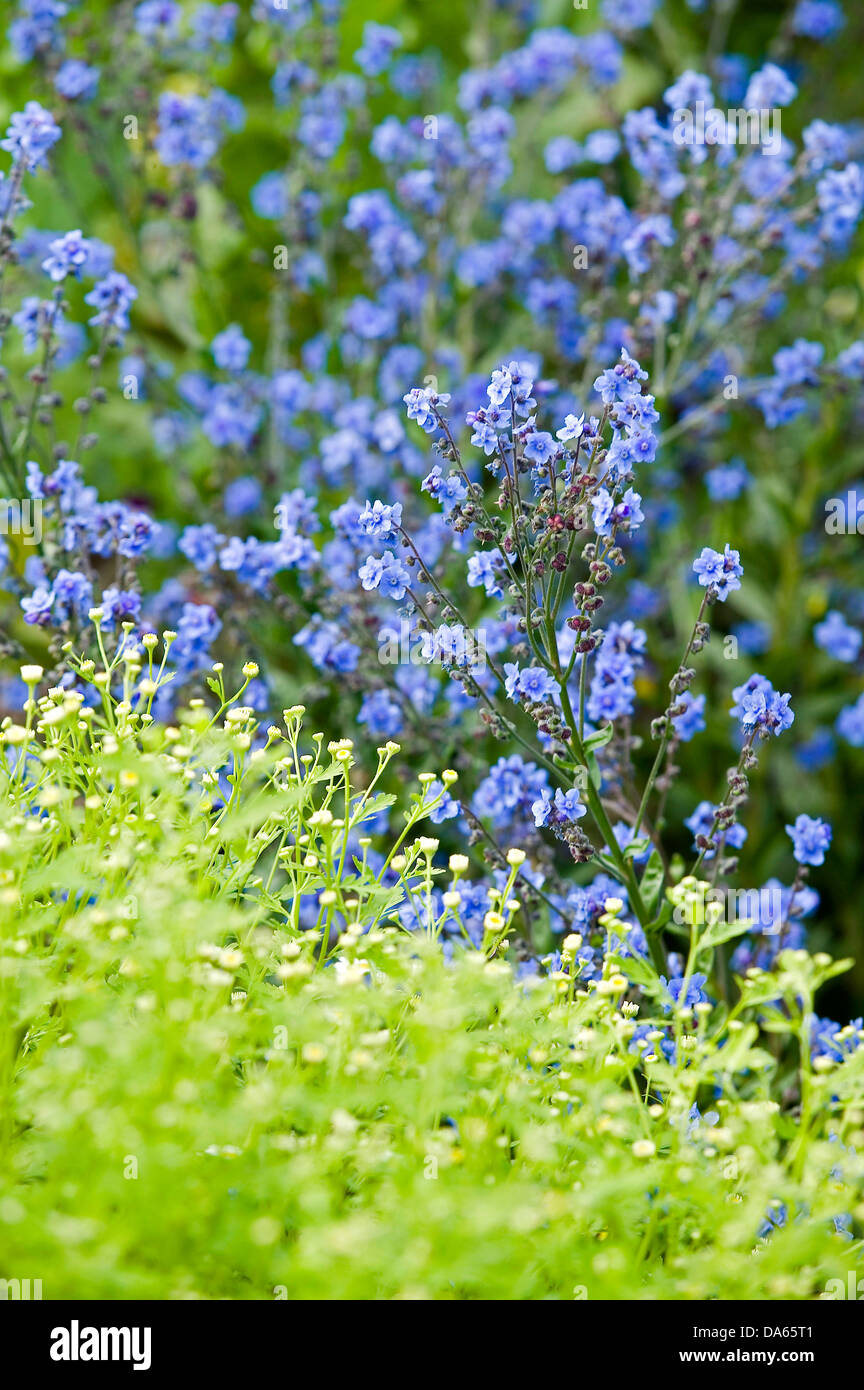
{"points": [[644, 1148]]}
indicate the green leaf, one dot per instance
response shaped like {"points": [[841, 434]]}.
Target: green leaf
{"points": [[663, 920], [722, 931], [637, 970], [376, 803], [608, 864], [220, 238], [600, 739], [760, 990], [837, 967], [638, 846], [652, 880]]}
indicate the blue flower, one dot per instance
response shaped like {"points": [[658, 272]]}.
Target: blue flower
{"points": [[727, 481], [759, 706], [484, 436], [572, 428], [326, 646], [231, 349], [810, 839], [684, 999], [530, 683], [201, 545], [269, 196], [67, 255], [690, 88], [612, 697], [197, 627], [642, 1042], [30, 135], [451, 644], [482, 572], [627, 513], [840, 193], [797, 365], [296, 512], [837, 638], [213, 24], [242, 496], [74, 80], [562, 809], [603, 505], [380, 42], [850, 723], [191, 128], [119, 606], [602, 146], [37, 316], [562, 153], [157, 19], [830, 1040], [499, 386], [719, 570], [387, 574], [817, 19], [38, 606], [73, 594], [700, 824], [649, 229], [825, 145], [447, 490], [692, 719], [509, 790], [448, 808], [381, 715], [379, 521], [768, 87], [421, 404], [612, 693], [540, 448], [775, 1218], [112, 298], [695, 1119], [618, 382]]}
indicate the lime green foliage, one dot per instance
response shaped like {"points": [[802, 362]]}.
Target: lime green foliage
{"points": [[202, 1097]]}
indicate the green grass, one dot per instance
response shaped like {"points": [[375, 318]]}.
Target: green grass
{"points": [[201, 1099]]}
